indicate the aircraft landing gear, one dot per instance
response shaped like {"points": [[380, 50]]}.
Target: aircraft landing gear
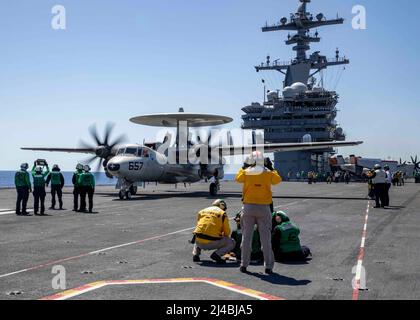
{"points": [[133, 190], [214, 188], [127, 193], [124, 195]]}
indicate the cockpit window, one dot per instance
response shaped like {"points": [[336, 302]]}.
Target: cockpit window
{"points": [[132, 151], [121, 151]]}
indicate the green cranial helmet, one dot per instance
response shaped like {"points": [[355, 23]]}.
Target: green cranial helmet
{"points": [[282, 215]]}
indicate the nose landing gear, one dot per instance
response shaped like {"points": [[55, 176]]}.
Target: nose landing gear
{"points": [[127, 193], [214, 188]]}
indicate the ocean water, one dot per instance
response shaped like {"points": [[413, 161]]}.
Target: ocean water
{"points": [[7, 179]]}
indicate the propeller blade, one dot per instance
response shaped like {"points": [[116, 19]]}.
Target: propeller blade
{"points": [[94, 133], [108, 130], [98, 168], [83, 144], [122, 138], [90, 160]]}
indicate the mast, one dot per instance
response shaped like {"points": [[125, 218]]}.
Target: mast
{"points": [[300, 69]]}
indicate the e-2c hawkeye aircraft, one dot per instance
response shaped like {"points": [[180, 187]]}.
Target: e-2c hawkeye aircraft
{"points": [[159, 162]]}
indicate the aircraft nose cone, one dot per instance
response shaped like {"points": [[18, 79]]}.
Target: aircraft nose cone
{"points": [[113, 167]]}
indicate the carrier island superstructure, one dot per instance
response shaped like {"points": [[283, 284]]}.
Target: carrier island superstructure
{"points": [[303, 110]]}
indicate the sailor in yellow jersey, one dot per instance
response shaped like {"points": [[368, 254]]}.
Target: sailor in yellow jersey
{"points": [[213, 232], [257, 176]]}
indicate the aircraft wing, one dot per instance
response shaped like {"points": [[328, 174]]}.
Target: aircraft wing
{"points": [[68, 150], [283, 147]]}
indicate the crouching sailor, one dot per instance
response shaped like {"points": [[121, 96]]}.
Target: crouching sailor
{"points": [[285, 239], [212, 232]]}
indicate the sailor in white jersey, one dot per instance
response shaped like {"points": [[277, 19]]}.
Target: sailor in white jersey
{"points": [[379, 186]]}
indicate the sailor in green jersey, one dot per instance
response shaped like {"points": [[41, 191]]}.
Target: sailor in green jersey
{"points": [[77, 188], [256, 252], [87, 184], [57, 183], [285, 239], [23, 188], [38, 176]]}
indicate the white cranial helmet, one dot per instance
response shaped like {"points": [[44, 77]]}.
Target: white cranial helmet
{"points": [[258, 157], [255, 158]]}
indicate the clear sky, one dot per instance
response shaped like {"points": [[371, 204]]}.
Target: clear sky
{"points": [[119, 59]]}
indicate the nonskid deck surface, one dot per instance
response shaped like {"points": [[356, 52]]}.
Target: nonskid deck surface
{"points": [[139, 249]]}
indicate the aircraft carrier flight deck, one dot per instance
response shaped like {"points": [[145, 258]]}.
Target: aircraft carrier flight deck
{"points": [[139, 249]]}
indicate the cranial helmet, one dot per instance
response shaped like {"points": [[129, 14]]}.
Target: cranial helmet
{"points": [[377, 166], [86, 168], [259, 158], [256, 158], [38, 169], [282, 215], [56, 167], [79, 166], [220, 203], [24, 166]]}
